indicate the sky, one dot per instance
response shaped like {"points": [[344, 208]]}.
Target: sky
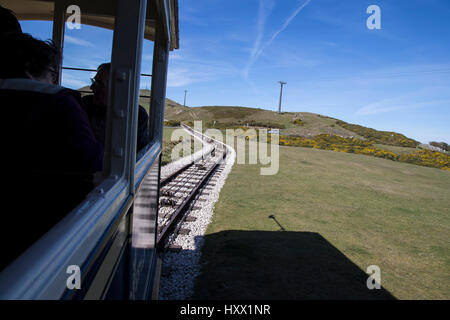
{"points": [[234, 52]]}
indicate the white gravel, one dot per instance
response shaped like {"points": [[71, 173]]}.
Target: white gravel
{"points": [[174, 166], [179, 269]]}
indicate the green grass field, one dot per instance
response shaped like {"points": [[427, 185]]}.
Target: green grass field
{"points": [[311, 231]]}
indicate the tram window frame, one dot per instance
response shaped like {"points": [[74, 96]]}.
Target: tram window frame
{"points": [[78, 235]]}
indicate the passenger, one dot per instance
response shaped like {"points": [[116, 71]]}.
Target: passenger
{"points": [[50, 152], [96, 104], [8, 22]]}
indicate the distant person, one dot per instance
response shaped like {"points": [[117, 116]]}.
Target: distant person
{"points": [[96, 105], [8, 22], [49, 150]]}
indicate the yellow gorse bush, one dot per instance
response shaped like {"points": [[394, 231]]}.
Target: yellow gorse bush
{"points": [[352, 145], [383, 137], [427, 158]]}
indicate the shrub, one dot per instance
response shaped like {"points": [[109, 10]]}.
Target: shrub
{"points": [[383, 137], [352, 145], [427, 158], [172, 123]]}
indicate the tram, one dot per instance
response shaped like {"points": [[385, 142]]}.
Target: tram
{"points": [[105, 247]]}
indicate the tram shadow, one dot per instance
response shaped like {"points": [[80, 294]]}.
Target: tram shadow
{"points": [[279, 266]]}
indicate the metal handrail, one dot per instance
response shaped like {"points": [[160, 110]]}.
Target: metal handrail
{"points": [[85, 91], [94, 70]]}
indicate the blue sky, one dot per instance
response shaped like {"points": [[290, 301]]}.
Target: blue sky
{"points": [[234, 53]]}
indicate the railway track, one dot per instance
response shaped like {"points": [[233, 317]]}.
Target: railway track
{"points": [[184, 190]]}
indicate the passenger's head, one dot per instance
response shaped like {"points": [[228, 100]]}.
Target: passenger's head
{"points": [[23, 56], [100, 84], [8, 22]]}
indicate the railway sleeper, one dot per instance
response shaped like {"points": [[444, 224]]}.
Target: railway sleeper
{"points": [[184, 231], [167, 193], [190, 218], [167, 202], [200, 166]]}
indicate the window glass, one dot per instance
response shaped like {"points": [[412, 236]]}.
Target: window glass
{"points": [[143, 135]]}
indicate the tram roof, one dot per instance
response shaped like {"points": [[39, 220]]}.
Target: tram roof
{"points": [[99, 13]]}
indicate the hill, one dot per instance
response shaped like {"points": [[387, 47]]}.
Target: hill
{"points": [[305, 129], [300, 124]]}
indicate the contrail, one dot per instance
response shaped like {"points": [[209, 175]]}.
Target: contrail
{"points": [[286, 23], [262, 15], [263, 11]]}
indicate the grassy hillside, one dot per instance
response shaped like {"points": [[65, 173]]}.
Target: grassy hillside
{"points": [[311, 231], [417, 156], [303, 124], [296, 126], [229, 117], [305, 129], [384, 137]]}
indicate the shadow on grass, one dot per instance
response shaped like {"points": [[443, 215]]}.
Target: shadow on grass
{"points": [[278, 265]]}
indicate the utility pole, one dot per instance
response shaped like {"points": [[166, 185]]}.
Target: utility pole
{"points": [[281, 94], [184, 105]]}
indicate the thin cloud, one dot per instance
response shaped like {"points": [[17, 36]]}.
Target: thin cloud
{"points": [[187, 72], [384, 106], [258, 47], [286, 23], [264, 10], [78, 41]]}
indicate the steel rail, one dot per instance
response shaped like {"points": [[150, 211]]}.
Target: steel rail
{"points": [[184, 180], [176, 215]]}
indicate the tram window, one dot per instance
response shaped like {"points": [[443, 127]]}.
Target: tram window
{"points": [[94, 232], [143, 135], [86, 49], [55, 152], [145, 98]]}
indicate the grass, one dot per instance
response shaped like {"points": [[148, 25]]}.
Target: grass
{"points": [[228, 117], [341, 213], [235, 116]]}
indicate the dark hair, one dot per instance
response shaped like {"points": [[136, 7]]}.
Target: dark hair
{"points": [[106, 66], [8, 22], [21, 53]]}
